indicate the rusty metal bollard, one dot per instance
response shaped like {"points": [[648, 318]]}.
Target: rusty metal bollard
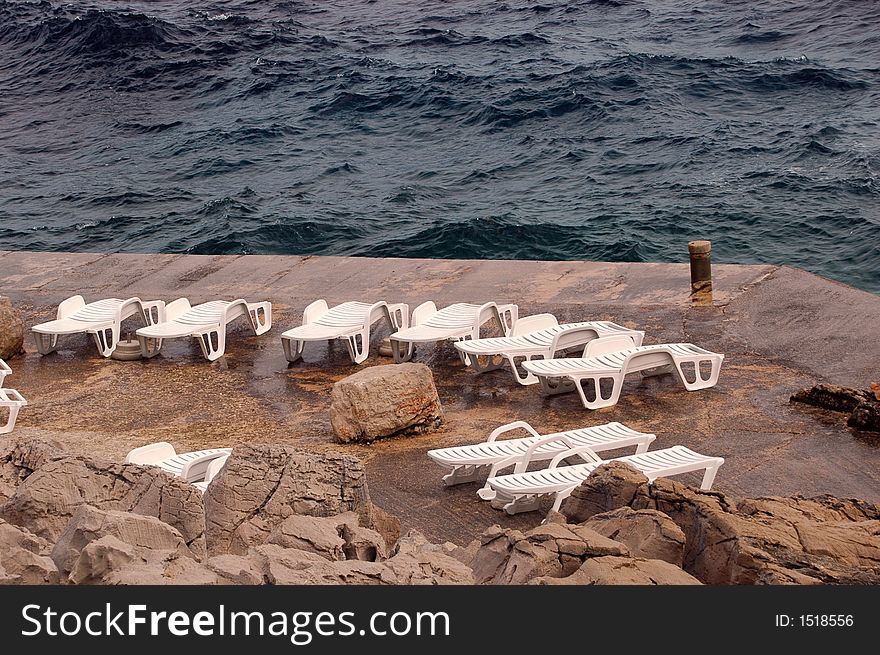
{"points": [[701, 271]]}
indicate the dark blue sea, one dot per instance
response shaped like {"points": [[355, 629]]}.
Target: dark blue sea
{"points": [[598, 130]]}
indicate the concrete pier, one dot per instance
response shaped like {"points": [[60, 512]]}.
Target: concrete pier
{"points": [[780, 328]]}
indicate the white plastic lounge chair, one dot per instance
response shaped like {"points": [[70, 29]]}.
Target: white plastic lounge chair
{"points": [[350, 321], [206, 322], [12, 401], [102, 319], [4, 371], [470, 462], [191, 466], [457, 322], [523, 491], [211, 472], [605, 360], [540, 336]]}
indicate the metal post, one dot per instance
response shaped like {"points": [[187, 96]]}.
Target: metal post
{"points": [[701, 271]]}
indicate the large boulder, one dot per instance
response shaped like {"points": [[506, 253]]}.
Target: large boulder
{"points": [[761, 541], [11, 330], [141, 533], [47, 499], [262, 485], [646, 532], [381, 401], [24, 557], [610, 486], [611, 570], [552, 550]]}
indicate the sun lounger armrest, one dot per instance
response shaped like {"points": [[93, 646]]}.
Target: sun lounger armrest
{"points": [[70, 306], [511, 426], [584, 452], [526, 459]]}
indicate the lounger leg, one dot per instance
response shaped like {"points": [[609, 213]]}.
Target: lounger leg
{"points": [[150, 347], [462, 474], [492, 363], [600, 401], [293, 349], [106, 345], [398, 356], [261, 318], [46, 343], [210, 350], [520, 504], [552, 386], [526, 379], [699, 381], [357, 352], [10, 421], [708, 478]]}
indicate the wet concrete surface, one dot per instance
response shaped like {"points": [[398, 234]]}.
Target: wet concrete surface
{"points": [[780, 329]]}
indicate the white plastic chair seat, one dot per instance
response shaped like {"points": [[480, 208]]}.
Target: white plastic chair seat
{"points": [[544, 343], [350, 321], [206, 322], [13, 401], [457, 322], [191, 466], [519, 491], [470, 461], [102, 319], [614, 366]]}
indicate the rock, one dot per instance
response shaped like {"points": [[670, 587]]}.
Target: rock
{"points": [[311, 534], [101, 558], [382, 401], [262, 485], [90, 524], [289, 566], [646, 532], [161, 568], [771, 540], [551, 550], [611, 570], [236, 569], [832, 396], [876, 389], [429, 567], [47, 499], [20, 457], [865, 416], [363, 544], [387, 525], [335, 538], [11, 330], [610, 486], [24, 557]]}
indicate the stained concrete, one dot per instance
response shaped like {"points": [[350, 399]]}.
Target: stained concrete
{"points": [[780, 329]]}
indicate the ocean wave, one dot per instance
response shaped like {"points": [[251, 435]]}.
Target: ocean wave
{"points": [[613, 130]]}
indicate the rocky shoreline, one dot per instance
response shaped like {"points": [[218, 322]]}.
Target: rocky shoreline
{"points": [[280, 515]]}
